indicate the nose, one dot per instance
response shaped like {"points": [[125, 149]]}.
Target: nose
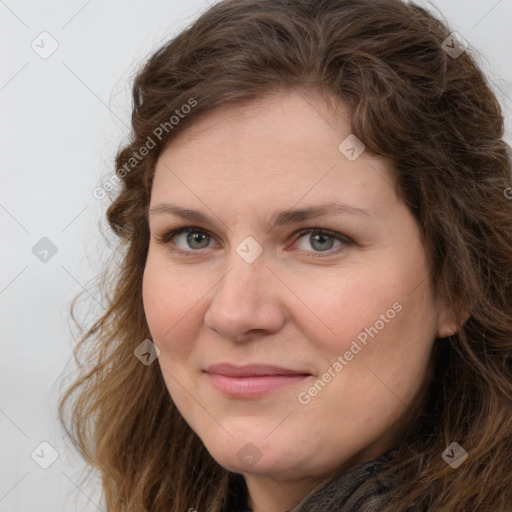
{"points": [[247, 302]]}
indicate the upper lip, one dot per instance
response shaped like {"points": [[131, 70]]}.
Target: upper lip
{"points": [[251, 370]]}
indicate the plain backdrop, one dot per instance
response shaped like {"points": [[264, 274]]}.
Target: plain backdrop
{"points": [[65, 102]]}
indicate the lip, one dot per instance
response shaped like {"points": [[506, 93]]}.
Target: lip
{"points": [[252, 370], [252, 380]]}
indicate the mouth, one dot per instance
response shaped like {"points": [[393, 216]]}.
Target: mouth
{"points": [[252, 380]]}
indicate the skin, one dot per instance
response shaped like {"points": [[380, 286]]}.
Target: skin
{"points": [[295, 305]]}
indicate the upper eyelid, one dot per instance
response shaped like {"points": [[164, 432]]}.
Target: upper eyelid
{"points": [[168, 235]]}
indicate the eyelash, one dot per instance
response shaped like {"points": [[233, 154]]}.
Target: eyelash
{"points": [[165, 239]]}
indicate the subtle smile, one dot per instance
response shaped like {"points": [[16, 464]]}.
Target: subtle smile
{"points": [[251, 381]]}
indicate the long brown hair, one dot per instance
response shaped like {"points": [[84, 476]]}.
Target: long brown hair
{"points": [[436, 118]]}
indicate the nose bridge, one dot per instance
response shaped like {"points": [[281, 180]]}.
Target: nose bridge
{"points": [[243, 300], [242, 286]]}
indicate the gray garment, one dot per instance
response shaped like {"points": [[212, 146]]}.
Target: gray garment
{"points": [[351, 491]]}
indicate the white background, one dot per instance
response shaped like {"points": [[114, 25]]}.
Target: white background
{"points": [[62, 120]]}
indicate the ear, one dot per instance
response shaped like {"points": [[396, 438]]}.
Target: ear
{"points": [[450, 319]]}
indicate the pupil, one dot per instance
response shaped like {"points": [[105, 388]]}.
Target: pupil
{"points": [[318, 241], [194, 237], [322, 239]]}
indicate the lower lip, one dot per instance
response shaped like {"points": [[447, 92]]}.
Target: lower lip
{"points": [[245, 387]]}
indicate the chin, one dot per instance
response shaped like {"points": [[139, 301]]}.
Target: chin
{"points": [[255, 465], [252, 452]]}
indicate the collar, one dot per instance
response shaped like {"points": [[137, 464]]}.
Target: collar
{"points": [[350, 491]]}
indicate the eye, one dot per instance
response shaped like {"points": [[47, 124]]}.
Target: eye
{"points": [[189, 239], [322, 240], [186, 239]]}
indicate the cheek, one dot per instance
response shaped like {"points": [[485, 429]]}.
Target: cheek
{"points": [[377, 319], [169, 311], [339, 308], [168, 304]]}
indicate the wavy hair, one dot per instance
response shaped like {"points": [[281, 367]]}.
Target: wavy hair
{"points": [[436, 118]]}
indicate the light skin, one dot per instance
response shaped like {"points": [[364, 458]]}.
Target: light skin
{"points": [[299, 304]]}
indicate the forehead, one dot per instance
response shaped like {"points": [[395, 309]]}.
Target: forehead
{"points": [[284, 147], [282, 121]]}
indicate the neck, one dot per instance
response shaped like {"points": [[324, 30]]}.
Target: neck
{"points": [[266, 494]]}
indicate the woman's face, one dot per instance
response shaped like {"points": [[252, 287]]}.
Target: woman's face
{"points": [[340, 322]]}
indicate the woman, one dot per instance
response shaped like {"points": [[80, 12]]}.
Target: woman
{"points": [[340, 338]]}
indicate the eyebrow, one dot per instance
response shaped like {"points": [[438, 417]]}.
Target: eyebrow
{"points": [[280, 218]]}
